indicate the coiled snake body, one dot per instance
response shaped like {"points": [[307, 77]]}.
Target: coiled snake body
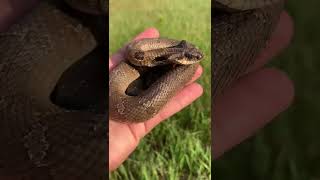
{"points": [[48, 59], [144, 56]]}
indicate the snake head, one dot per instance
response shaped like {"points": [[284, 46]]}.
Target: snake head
{"points": [[190, 55], [157, 52]]}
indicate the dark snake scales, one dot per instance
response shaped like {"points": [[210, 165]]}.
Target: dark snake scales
{"points": [[53, 120], [241, 29]]}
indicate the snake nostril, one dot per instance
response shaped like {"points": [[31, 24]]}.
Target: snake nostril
{"points": [[139, 55]]}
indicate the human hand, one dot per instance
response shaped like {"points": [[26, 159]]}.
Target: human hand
{"points": [[256, 98], [124, 138]]}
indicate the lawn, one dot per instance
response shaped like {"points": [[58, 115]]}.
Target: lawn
{"points": [[289, 147], [179, 148]]}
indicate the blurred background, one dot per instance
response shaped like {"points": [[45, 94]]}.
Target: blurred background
{"points": [[179, 148], [289, 147]]}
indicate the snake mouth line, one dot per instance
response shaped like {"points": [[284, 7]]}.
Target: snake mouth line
{"points": [[161, 58]]}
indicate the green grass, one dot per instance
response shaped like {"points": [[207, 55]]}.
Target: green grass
{"points": [[289, 147], [179, 148]]}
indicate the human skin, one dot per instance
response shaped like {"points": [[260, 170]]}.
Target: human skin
{"points": [[256, 98]]}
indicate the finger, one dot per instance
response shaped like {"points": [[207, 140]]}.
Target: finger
{"points": [[118, 56], [148, 33], [196, 75], [10, 10], [184, 98], [280, 39], [247, 106]]}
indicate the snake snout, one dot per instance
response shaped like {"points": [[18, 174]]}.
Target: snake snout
{"points": [[199, 55], [194, 54]]}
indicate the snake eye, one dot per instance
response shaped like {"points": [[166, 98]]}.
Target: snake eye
{"points": [[139, 55]]}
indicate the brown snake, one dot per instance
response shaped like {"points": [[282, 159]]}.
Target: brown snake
{"points": [[53, 113], [241, 29], [173, 63]]}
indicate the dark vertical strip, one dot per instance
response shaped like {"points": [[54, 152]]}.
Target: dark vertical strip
{"points": [[212, 88], [107, 82]]}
